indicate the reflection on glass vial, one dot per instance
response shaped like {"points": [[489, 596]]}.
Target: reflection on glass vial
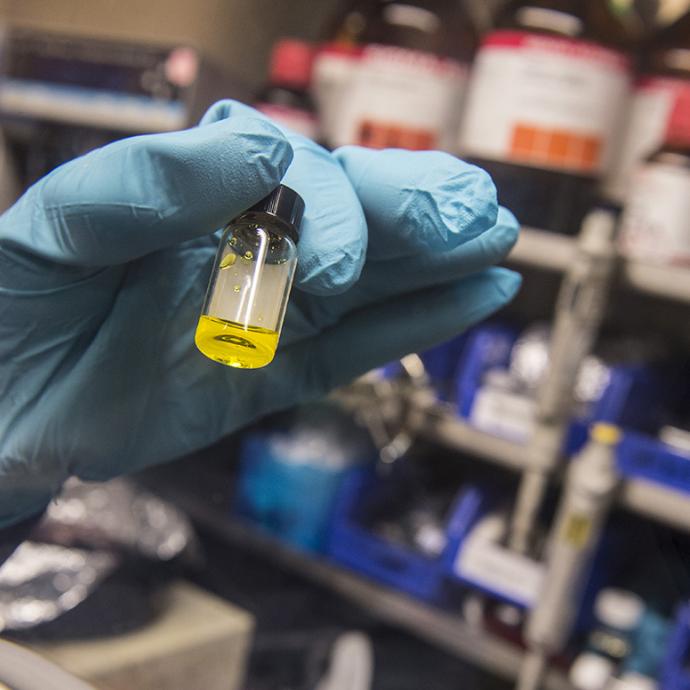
{"points": [[250, 284]]}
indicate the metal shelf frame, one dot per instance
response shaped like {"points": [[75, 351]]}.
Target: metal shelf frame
{"points": [[552, 252], [665, 505]]}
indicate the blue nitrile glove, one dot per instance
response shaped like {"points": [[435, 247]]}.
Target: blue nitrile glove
{"points": [[104, 264]]}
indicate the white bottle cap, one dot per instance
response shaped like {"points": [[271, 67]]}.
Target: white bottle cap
{"points": [[618, 608], [591, 671]]}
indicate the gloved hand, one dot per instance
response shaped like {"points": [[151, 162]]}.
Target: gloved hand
{"points": [[104, 264]]}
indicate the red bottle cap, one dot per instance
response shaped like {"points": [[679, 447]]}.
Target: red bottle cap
{"points": [[678, 128], [291, 63]]}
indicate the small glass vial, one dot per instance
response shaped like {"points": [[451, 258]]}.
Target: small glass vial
{"points": [[250, 284]]}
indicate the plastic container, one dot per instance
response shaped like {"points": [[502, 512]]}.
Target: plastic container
{"points": [[654, 226], [645, 457], [288, 480], [491, 398], [591, 671], [664, 79], [286, 97], [407, 85], [354, 545], [545, 106], [675, 673]]}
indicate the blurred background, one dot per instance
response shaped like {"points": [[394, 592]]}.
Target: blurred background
{"points": [[509, 509]]}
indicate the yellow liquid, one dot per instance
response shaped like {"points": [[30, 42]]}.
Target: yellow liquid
{"points": [[235, 345]]}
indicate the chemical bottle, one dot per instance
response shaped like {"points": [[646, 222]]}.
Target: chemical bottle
{"points": [[335, 64], [286, 98], [654, 226], [250, 284], [591, 671], [664, 78], [618, 613], [408, 81], [589, 492], [544, 107]]}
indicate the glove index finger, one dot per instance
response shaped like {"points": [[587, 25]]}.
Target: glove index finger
{"points": [[141, 194], [418, 200]]}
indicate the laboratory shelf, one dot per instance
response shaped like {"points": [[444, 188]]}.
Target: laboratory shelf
{"points": [[670, 282], [550, 251], [447, 631], [658, 502], [442, 425], [542, 249], [663, 504]]}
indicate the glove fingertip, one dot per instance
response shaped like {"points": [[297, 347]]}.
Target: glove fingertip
{"points": [[265, 147], [331, 275], [506, 283]]}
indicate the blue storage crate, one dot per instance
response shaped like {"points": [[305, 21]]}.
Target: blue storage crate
{"points": [[353, 545], [633, 398], [632, 390], [642, 456], [487, 347], [441, 365], [292, 501], [675, 674]]}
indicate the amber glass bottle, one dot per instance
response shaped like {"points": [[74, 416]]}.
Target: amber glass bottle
{"points": [[545, 105], [664, 80], [654, 226], [408, 85]]}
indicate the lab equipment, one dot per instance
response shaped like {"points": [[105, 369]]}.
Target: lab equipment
{"points": [[592, 480], [579, 311], [250, 283], [675, 674], [545, 101], [654, 227], [664, 78], [113, 272], [335, 65], [407, 86], [649, 644], [591, 671], [313, 456], [618, 613], [286, 99], [402, 533], [620, 382], [483, 561]]}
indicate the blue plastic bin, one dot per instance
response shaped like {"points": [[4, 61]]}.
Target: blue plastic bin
{"points": [[351, 544], [289, 500], [632, 393], [675, 674], [639, 455]]}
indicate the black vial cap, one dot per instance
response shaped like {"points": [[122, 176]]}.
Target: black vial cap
{"points": [[284, 205]]}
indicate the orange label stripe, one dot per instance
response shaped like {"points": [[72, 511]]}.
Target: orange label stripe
{"points": [[381, 135], [555, 148]]}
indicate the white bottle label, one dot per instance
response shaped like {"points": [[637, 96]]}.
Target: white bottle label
{"points": [[503, 413], [402, 98], [650, 113], [493, 567], [299, 121], [655, 227], [546, 102], [332, 75]]}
